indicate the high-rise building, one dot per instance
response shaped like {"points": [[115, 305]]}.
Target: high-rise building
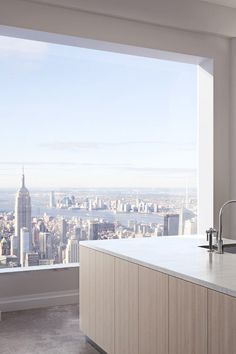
{"points": [[190, 227], [78, 233], [60, 253], [24, 244], [35, 236], [42, 226], [31, 259], [93, 230], [72, 251], [73, 200], [14, 245], [52, 203], [22, 214], [171, 224], [184, 216], [45, 245], [3, 247], [99, 229], [63, 230]]}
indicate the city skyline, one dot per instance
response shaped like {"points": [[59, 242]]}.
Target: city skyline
{"points": [[51, 237], [87, 118]]}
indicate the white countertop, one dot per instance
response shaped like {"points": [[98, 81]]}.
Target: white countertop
{"points": [[178, 256]]}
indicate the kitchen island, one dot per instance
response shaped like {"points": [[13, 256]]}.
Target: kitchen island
{"points": [[162, 295]]}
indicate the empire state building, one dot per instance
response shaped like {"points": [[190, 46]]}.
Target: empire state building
{"points": [[22, 213]]}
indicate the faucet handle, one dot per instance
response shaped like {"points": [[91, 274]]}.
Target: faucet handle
{"points": [[210, 232]]}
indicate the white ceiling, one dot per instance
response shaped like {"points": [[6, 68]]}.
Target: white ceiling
{"points": [[148, 3], [228, 3], [207, 16]]}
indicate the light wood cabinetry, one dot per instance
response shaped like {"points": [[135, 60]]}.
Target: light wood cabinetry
{"points": [[126, 307], [221, 323], [153, 312], [187, 318], [97, 297], [87, 291], [104, 301]]}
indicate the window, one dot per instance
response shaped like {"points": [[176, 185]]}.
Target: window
{"points": [[107, 142]]}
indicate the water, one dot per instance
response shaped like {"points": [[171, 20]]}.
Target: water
{"points": [[39, 207], [108, 215]]}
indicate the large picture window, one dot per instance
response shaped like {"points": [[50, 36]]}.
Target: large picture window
{"points": [[95, 145]]}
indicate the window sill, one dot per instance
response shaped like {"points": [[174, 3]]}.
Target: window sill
{"points": [[37, 268]]}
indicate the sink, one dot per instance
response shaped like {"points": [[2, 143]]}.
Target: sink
{"points": [[228, 248], [207, 247]]}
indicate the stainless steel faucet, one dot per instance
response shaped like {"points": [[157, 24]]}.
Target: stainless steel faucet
{"points": [[210, 233], [219, 235]]}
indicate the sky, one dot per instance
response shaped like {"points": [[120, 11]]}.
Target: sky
{"points": [[77, 117]]}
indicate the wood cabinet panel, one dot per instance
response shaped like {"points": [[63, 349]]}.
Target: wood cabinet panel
{"points": [[187, 317], [221, 323], [153, 312], [126, 307], [104, 302], [87, 291]]}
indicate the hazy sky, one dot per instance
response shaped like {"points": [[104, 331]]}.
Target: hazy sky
{"points": [[85, 118]]}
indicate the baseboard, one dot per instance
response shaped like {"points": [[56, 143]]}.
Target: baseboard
{"points": [[25, 302]]}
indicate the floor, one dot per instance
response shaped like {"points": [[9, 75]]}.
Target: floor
{"points": [[53, 330]]}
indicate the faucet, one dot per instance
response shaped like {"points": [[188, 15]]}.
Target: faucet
{"points": [[219, 240], [210, 234]]}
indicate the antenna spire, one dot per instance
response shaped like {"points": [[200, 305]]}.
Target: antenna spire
{"points": [[23, 176]]}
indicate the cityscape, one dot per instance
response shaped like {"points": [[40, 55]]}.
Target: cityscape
{"points": [[51, 234]]}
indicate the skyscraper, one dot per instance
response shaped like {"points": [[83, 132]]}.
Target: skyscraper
{"points": [[93, 229], [3, 247], [23, 214], [72, 250], [45, 245], [31, 259], [184, 216], [63, 230], [24, 245], [171, 224]]}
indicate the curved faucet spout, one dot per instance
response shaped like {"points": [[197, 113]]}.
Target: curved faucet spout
{"points": [[220, 241]]}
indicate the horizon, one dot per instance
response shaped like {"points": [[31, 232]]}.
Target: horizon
{"points": [[133, 189], [91, 188]]}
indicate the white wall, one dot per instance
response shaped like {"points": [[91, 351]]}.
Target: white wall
{"points": [[232, 209], [136, 33], [50, 286], [205, 146]]}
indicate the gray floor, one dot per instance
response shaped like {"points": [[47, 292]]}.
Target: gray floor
{"points": [[44, 331]]}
